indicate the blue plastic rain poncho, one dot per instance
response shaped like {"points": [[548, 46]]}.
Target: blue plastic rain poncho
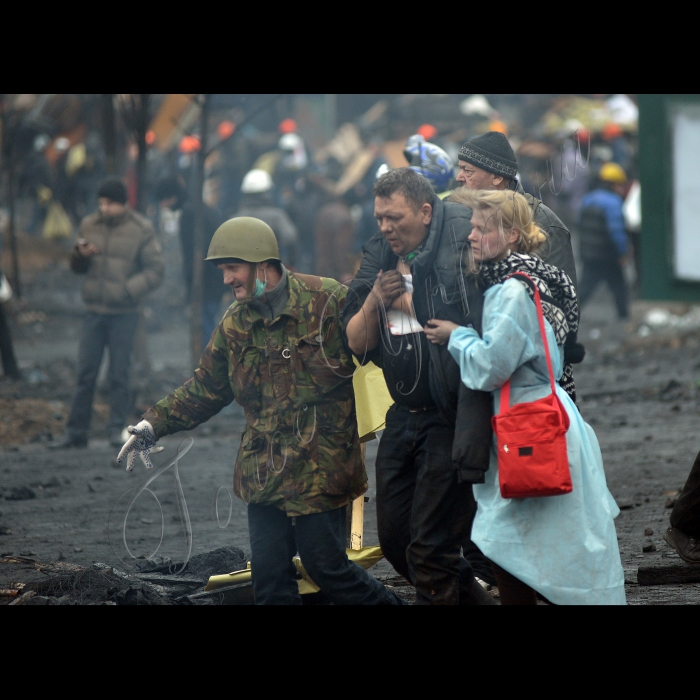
{"points": [[565, 547]]}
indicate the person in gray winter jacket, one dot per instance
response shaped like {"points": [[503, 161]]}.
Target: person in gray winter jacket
{"points": [[118, 253]]}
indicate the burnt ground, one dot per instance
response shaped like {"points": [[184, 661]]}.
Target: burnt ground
{"points": [[639, 389]]}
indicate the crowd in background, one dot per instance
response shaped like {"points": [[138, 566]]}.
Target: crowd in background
{"points": [[313, 185], [318, 197]]}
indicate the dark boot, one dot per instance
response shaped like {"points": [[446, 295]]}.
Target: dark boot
{"points": [[475, 594], [688, 548]]}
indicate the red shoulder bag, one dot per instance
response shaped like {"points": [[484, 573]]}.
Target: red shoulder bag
{"points": [[532, 458]]}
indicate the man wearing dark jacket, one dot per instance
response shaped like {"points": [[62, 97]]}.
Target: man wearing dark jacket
{"points": [[172, 194], [121, 260], [411, 272], [488, 162], [7, 350]]}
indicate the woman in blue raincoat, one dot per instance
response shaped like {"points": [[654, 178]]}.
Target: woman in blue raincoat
{"points": [[562, 547]]}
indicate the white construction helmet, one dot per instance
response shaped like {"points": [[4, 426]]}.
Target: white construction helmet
{"points": [[382, 170], [256, 181], [61, 144], [290, 142]]}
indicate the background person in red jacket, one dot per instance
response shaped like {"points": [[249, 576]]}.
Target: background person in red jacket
{"points": [[121, 258]]}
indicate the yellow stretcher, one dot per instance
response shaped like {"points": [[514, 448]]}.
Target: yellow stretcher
{"points": [[364, 557]]}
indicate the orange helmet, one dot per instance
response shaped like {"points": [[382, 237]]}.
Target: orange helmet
{"points": [[190, 144], [584, 135], [427, 131], [225, 130], [611, 131], [288, 126]]}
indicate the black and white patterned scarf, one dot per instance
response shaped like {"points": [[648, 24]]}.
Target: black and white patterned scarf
{"points": [[559, 303]]}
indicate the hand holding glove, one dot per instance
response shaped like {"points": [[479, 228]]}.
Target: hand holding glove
{"points": [[141, 442]]}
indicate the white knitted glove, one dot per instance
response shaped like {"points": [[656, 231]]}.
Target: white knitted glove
{"points": [[141, 442]]}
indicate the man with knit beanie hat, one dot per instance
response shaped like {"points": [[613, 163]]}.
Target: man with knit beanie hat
{"points": [[121, 261], [487, 162], [493, 162], [112, 189]]}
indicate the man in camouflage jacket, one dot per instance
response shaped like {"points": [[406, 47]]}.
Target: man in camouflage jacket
{"points": [[279, 352], [300, 449]]}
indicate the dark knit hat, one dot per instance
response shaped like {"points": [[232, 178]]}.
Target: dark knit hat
{"points": [[491, 152], [113, 188], [168, 187]]}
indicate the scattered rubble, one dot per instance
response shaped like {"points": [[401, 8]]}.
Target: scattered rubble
{"points": [[151, 583], [676, 571], [20, 493], [663, 319], [35, 409]]}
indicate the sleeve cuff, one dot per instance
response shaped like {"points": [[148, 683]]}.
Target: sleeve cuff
{"points": [[457, 337]]}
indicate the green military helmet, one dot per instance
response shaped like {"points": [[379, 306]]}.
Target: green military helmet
{"points": [[244, 238]]}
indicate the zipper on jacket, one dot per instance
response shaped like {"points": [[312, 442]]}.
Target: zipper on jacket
{"points": [[104, 266]]}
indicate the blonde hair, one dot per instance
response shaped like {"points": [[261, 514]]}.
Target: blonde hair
{"points": [[512, 212]]}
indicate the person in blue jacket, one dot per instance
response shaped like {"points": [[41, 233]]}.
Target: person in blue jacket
{"points": [[604, 242], [563, 548]]}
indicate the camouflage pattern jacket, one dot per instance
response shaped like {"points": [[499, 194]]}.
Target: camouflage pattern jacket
{"points": [[300, 450]]}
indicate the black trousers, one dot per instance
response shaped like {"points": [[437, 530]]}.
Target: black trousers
{"points": [[320, 540], [607, 271], [480, 564], [7, 351], [686, 513], [423, 514], [513, 591]]}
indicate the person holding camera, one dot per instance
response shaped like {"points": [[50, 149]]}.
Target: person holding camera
{"points": [[121, 259]]}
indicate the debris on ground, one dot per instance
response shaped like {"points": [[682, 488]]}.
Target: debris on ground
{"points": [[151, 583], [30, 420], [102, 584], [668, 573], [35, 410], [218, 561], [19, 493]]}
